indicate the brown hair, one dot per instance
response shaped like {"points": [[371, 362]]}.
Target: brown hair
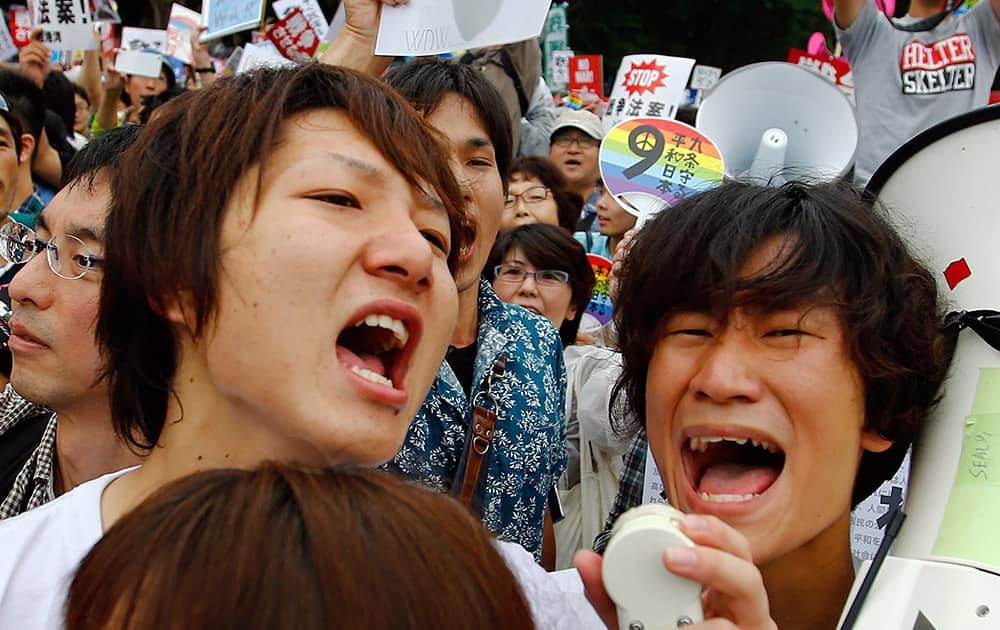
{"points": [[568, 204], [164, 225], [289, 547]]}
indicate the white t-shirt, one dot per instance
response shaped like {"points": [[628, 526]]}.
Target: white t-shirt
{"points": [[41, 549], [39, 553]]}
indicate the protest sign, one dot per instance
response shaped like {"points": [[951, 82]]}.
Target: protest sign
{"points": [[224, 17], [183, 22], [294, 37], [138, 62], [642, 158], [555, 37], [20, 26], [148, 39], [310, 8], [560, 68], [66, 24], [7, 46], [336, 23], [586, 73], [433, 27], [836, 70], [705, 77], [104, 12], [600, 306], [261, 55], [648, 85]]}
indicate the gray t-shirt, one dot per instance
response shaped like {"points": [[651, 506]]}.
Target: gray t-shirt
{"points": [[907, 81]]}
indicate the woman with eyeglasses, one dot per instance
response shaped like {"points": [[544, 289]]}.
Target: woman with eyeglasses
{"points": [[543, 269], [536, 193]]}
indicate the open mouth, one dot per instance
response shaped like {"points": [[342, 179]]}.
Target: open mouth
{"points": [[731, 469], [572, 162], [377, 348]]}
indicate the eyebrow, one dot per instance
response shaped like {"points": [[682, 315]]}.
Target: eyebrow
{"points": [[478, 142], [377, 175], [82, 232]]}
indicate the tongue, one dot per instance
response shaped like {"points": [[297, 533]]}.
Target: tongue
{"points": [[737, 479], [371, 362]]}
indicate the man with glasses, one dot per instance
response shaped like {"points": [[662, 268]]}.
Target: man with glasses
{"points": [[576, 140], [63, 436]]}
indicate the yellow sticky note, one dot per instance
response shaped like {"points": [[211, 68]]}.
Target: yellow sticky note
{"points": [[968, 529]]}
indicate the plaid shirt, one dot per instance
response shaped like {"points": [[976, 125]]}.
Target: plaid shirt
{"points": [[629, 486], [34, 485], [29, 209]]}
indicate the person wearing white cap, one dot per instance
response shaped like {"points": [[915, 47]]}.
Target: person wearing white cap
{"points": [[574, 146]]}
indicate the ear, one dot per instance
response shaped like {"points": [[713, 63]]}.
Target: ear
{"points": [[27, 148], [179, 311], [872, 441], [571, 312]]}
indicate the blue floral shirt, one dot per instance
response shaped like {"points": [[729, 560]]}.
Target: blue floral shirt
{"points": [[529, 448]]}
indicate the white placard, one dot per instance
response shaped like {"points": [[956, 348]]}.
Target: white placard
{"points": [[705, 77], [647, 85], [560, 66], [225, 17], [7, 46], [310, 8], [134, 38], [264, 54], [65, 25], [183, 22], [432, 27], [143, 64]]}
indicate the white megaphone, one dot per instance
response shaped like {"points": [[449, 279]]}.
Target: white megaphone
{"points": [[944, 571], [776, 120]]}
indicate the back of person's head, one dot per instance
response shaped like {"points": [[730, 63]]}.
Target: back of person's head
{"points": [[169, 210], [545, 171], [285, 547], [27, 101], [101, 157], [425, 83], [550, 247], [59, 93], [840, 251]]}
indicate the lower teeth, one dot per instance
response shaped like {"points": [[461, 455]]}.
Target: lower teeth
{"points": [[371, 376], [726, 498]]}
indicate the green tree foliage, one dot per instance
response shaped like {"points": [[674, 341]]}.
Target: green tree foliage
{"points": [[717, 33]]}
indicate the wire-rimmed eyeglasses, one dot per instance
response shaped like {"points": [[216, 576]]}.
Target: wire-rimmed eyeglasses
{"points": [[543, 277], [533, 195], [67, 255]]}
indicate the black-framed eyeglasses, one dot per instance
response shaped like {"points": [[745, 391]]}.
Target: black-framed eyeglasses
{"points": [[584, 141], [67, 255], [533, 195], [543, 277]]}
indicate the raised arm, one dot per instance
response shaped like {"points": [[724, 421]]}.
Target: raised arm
{"points": [[846, 11], [90, 78], [355, 44]]}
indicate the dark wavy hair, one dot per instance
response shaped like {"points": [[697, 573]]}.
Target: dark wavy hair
{"points": [[171, 206], [569, 204], [288, 547], [841, 251], [550, 247]]}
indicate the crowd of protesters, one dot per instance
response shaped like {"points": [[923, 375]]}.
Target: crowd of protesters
{"points": [[312, 347]]}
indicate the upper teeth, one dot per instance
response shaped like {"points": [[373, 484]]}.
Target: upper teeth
{"points": [[700, 444], [397, 327]]}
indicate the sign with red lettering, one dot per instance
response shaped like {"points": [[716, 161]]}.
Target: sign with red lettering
{"points": [[20, 26], [946, 65], [294, 37], [650, 86], [586, 72], [836, 70]]}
